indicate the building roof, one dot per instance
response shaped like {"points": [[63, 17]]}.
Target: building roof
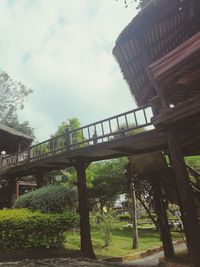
{"points": [[162, 26], [10, 139]]}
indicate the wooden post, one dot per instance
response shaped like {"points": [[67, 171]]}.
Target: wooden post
{"points": [[17, 189], [86, 242], [186, 201], [162, 220], [40, 179], [29, 153], [19, 150], [68, 138]]}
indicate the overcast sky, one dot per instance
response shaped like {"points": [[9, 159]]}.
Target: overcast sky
{"points": [[62, 49]]}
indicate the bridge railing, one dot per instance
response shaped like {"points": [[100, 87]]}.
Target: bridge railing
{"points": [[107, 130], [111, 128]]}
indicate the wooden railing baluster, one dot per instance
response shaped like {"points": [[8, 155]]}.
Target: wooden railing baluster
{"points": [[118, 127], [145, 115], [135, 117], [126, 121]]}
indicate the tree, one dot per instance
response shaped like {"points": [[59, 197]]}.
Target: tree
{"points": [[73, 123], [108, 182], [13, 95], [141, 3], [130, 187], [23, 127]]}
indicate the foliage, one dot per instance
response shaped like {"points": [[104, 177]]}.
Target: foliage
{"points": [[67, 176], [124, 217], [23, 127], [194, 162], [105, 222], [21, 228], [142, 187], [72, 123], [108, 182], [140, 3], [48, 199], [13, 95]]}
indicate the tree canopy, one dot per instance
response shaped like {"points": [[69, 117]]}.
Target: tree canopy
{"points": [[108, 181], [140, 3], [72, 123], [13, 95]]}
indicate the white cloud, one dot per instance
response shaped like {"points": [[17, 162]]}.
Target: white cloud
{"points": [[64, 52]]}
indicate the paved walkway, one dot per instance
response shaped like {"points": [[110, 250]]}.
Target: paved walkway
{"points": [[152, 260]]}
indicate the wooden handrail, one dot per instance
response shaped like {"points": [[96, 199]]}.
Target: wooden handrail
{"points": [[76, 138]]}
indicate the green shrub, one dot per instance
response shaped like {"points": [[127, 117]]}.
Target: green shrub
{"points": [[21, 229], [124, 217], [104, 222], [48, 199]]}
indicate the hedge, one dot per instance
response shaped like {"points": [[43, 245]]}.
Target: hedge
{"points": [[124, 217], [48, 199], [22, 229]]}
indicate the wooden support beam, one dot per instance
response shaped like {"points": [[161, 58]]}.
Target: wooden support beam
{"points": [[40, 179], [17, 189], [162, 219], [68, 138], [186, 201], [86, 242]]}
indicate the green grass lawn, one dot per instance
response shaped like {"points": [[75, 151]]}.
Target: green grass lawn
{"points": [[121, 242]]}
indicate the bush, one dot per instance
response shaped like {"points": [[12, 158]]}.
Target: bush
{"points": [[21, 228], [124, 217], [48, 199], [104, 222]]}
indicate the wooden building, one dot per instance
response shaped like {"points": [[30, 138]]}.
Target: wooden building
{"points": [[159, 56], [11, 141]]}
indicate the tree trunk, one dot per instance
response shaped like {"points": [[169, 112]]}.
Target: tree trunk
{"points": [[134, 219], [186, 201], [162, 219], [7, 194], [86, 242], [149, 213]]}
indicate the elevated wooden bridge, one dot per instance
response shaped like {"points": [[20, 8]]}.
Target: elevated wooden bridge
{"points": [[125, 134], [128, 133]]}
